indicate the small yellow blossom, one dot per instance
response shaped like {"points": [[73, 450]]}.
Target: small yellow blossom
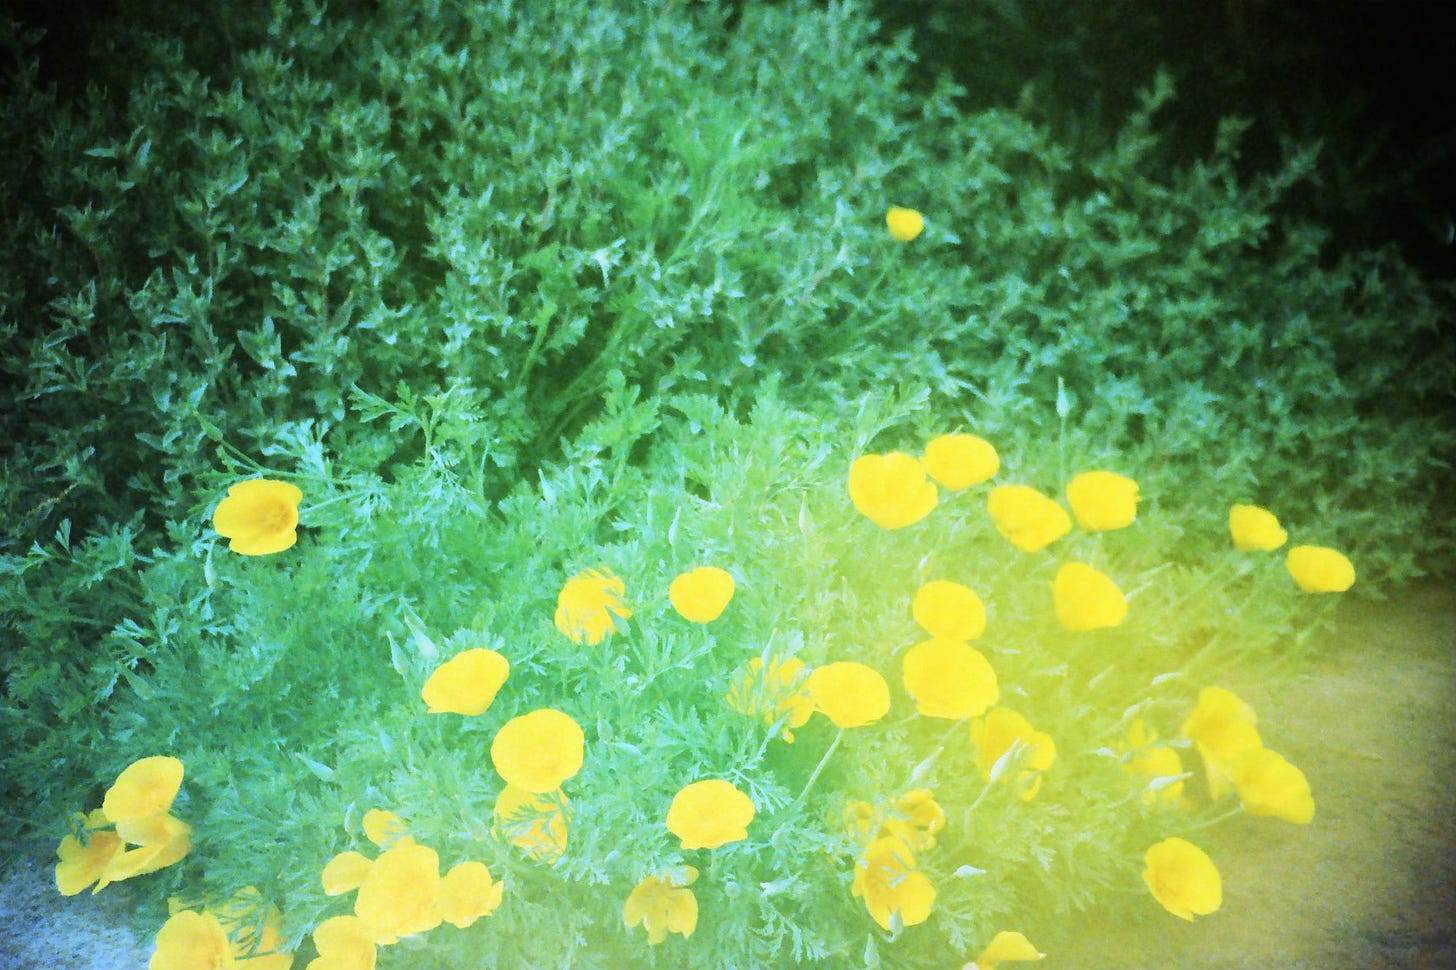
{"points": [[1103, 501], [1255, 529], [914, 818], [891, 490], [701, 595], [259, 516], [958, 461], [1270, 786], [466, 683], [848, 693], [707, 814], [1152, 762], [1027, 518], [467, 892], [343, 943], [1005, 948], [83, 862], [191, 941], [1317, 569], [995, 733], [949, 679], [587, 605], [1183, 878], [538, 751], [886, 879], [534, 823], [904, 224], [1087, 599], [1222, 727], [383, 828], [777, 694], [146, 787], [949, 611], [663, 904], [345, 872], [401, 892], [254, 928]]}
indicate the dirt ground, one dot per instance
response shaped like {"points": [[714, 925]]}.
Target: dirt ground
{"points": [[1370, 884]]}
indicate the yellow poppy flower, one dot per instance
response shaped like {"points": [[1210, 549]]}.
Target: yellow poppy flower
{"points": [[958, 461], [259, 516], [161, 841], [1103, 501], [773, 695], [400, 894], [891, 490], [466, 683], [534, 823], [587, 605], [1027, 518], [707, 814], [949, 611], [702, 594], [1255, 529], [1270, 786], [949, 679], [886, 879], [914, 818], [904, 224], [1222, 727], [663, 904], [995, 733], [146, 787], [343, 943], [849, 693], [1183, 878], [82, 863], [538, 751], [345, 872], [1317, 569], [383, 828], [254, 928], [1154, 763], [1086, 599], [191, 941], [1005, 948], [467, 892]]}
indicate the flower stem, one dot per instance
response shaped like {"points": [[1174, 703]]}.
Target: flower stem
{"points": [[929, 762], [820, 768], [1209, 823]]}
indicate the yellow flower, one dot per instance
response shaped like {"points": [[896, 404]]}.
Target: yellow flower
{"points": [[191, 941], [383, 828], [587, 604], [702, 594], [1153, 763], [83, 862], [161, 840], [913, 818], [538, 751], [1270, 786], [1317, 569], [343, 944], [401, 892], [146, 787], [1005, 948], [886, 879], [959, 461], [1222, 727], [773, 695], [254, 928], [949, 679], [891, 490], [260, 516], [1087, 599], [904, 224], [344, 873], [1253, 528], [949, 611], [707, 814], [996, 732], [467, 893], [663, 904], [1027, 518], [1103, 500], [1183, 878], [534, 823], [849, 694], [466, 683]]}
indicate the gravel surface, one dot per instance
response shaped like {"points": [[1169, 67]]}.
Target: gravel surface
{"points": [[42, 930]]}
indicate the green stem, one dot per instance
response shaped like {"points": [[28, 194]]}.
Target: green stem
{"points": [[820, 768], [1209, 823], [929, 762]]}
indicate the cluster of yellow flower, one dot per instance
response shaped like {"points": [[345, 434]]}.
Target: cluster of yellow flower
{"points": [[244, 933], [399, 893], [135, 812]]}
